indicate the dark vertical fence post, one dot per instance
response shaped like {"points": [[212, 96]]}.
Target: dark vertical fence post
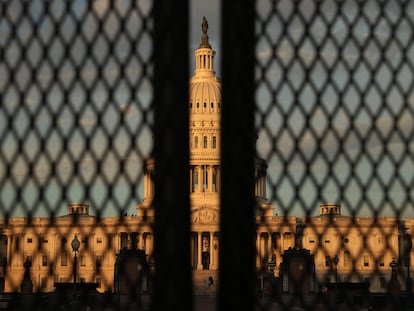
{"points": [[172, 283], [237, 226]]}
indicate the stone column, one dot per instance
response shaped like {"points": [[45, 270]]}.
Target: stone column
{"points": [[9, 249], [149, 245], [212, 263], [210, 180], [258, 249], [199, 250], [215, 250], [269, 246]]}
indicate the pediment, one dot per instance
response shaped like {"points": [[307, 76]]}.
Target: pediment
{"points": [[205, 215]]}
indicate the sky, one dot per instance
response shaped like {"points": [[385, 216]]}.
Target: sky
{"points": [[316, 97], [338, 129]]}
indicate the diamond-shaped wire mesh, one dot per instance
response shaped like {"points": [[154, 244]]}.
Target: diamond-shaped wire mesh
{"points": [[76, 94], [334, 115], [75, 126]]}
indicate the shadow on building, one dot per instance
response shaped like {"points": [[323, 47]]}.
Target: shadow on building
{"points": [[295, 286], [132, 290]]}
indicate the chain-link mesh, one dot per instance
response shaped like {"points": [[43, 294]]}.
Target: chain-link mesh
{"points": [[76, 123], [334, 116]]}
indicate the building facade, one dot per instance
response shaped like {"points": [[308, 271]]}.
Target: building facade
{"points": [[363, 248]]}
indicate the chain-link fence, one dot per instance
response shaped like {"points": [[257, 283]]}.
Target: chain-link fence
{"points": [[76, 124], [93, 98], [334, 114]]}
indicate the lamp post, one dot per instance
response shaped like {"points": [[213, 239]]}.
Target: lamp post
{"points": [[75, 247]]}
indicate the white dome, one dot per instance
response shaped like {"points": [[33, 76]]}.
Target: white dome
{"points": [[205, 92]]}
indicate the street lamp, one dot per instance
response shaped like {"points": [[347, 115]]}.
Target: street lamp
{"points": [[75, 247]]}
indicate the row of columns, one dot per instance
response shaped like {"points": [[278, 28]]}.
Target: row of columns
{"points": [[135, 240], [149, 184], [204, 178], [260, 185], [204, 250], [204, 60], [268, 244]]}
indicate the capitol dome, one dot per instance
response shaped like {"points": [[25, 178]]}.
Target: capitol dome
{"points": [[205, 96], [205, 88]]}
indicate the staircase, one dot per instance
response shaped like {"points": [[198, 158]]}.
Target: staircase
{"points": [[202, 283]]}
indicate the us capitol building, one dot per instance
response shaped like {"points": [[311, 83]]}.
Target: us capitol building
{"points": [[347, 248]]}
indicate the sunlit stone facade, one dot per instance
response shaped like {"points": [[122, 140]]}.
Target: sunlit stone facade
{"points": [[364, 247]]}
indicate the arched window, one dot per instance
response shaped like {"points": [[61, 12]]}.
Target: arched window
{"points": [[205, 105], [212, 105], [198, 105], [214, 142]]}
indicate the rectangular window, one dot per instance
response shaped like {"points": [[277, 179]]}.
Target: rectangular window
{"points": [[45, 240], [214, 179], [347, 259], [82, 280], [381, 261], [98, 240], [44, 261], [29, 240], [64, 259], [327, 261], [194, 179], [214, 142], [98, 260], [98, 282], [366, 261], [43, 282], [204, 142], [83, 260]]}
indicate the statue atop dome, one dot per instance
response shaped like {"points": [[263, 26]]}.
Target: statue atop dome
{"points": [[204, 25], [204, 37]]}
